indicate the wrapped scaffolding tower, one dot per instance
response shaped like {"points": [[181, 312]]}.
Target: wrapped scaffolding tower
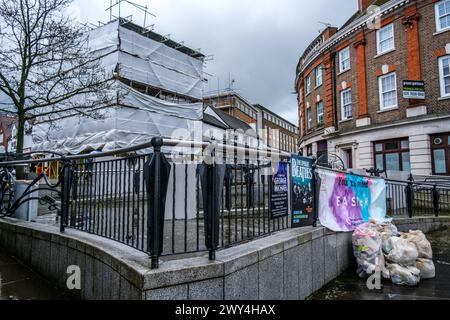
{"points": [[159, 90]]}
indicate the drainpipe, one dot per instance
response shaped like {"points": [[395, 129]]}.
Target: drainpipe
{"points": [[334, 80]]}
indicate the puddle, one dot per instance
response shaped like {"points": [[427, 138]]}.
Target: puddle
{"points": [[18, 282], [349, 287]]}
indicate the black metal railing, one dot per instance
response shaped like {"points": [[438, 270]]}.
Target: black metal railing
{"points": [[416, 198], [205, 198], [169, 198]]}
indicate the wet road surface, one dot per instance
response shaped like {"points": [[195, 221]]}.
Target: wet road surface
{"points": [[350, 287], [18, 282]]}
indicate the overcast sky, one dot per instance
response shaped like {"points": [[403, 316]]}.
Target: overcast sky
{"points": [[258, 42]]}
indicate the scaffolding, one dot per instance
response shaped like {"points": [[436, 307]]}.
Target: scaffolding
{"points": [[162, 82]]}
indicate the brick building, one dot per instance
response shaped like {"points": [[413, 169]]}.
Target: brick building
{"points": [[233, 104], [277, 132], [352, 97], [273, 130]]}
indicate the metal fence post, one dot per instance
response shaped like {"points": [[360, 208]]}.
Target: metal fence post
{"points": [[156, 175], [435, 201], [65, 193], [315, 193], [212, 176], [249, 179], [410, 196]]}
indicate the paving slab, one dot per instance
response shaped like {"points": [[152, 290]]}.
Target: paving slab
{"points": [[18, 282]]}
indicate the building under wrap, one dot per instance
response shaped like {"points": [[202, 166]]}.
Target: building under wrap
{"points": [[160, 82]]}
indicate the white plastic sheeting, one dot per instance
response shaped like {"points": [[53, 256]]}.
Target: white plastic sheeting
{"points": [[137, 117], [136, 120], [147, 61], [143, 60]]}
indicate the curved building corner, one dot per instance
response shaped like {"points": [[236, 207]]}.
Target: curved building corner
{"points": [[376, 92]]}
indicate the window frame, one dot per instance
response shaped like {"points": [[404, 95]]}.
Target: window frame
{"points": [[309, 150], [379, 52], [308, 84], [318, 71], [442, 76], [438, 17], [309, 119], [343, 92], [322, 122], [444, 146], [380, 91], [346, 49], [400, 150]]}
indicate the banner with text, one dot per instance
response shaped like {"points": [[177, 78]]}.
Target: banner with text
{"points": [[347, 200], [278, 192], [302, 191]]}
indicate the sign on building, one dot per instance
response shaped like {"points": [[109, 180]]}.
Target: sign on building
{"points": [[414, 89], [302, 191], [278, 192], [347, 200]]}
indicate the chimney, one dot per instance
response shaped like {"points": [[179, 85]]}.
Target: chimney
{"points": [[329, 32], [364, 4]]}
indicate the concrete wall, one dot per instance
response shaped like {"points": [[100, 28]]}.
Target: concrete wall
{"points": [[291, 264]]}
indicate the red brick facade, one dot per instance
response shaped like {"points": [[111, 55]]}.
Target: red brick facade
{"points": [[415, 57], [360, 48], [405, 39]]}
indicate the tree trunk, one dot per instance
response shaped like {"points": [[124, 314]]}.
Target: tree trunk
{"points": [[20, 172]]}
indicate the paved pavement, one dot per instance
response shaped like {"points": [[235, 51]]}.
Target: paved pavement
{"points": [[350, 287], [18, 282]]}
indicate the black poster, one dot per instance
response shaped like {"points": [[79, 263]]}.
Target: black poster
{"points": [[278, 192], [302, 191], [414, 89]]}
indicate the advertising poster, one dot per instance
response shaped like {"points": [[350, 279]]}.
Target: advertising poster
{"points": [[302, 192], [414, 90], [346, 200], [279, 205]]}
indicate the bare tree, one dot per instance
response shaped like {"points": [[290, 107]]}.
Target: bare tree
{"points": [[46, 67]]}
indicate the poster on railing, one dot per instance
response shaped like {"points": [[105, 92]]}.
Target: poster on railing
{"points": [[302, 191], [279, 192], [347, 200]]}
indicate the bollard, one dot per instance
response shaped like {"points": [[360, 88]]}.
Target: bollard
{"points": [[212, 176], [156, 175]]}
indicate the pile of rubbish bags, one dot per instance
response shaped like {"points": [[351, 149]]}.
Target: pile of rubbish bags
{"points": [[405, 258]]}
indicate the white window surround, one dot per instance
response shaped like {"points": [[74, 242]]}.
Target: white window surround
{"points": [[346, 104], [442, 14], [308, 84], [320, 113], [386, 39], [382, 54], [344, 60], [308, 118], [387, 88], [444, 75], [319, 76]]}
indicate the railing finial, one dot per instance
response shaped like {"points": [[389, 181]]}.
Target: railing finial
{"points": [[157, 143]]}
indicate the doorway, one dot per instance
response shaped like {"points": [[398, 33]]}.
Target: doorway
{"points": [[348, 153]]}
